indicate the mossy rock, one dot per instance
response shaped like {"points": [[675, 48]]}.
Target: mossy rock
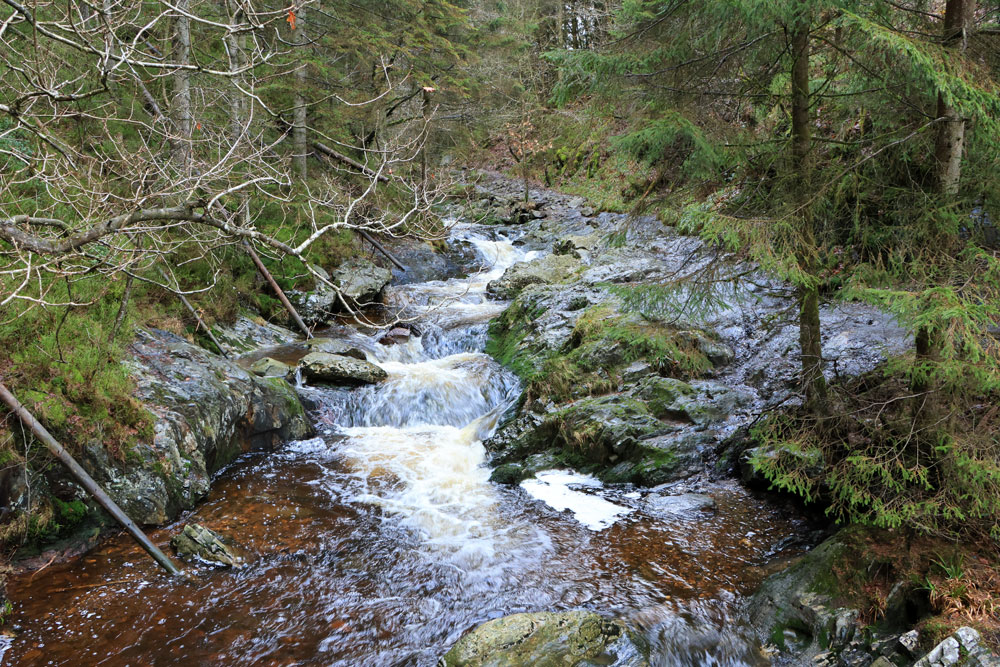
{"points": [[601, 428], [546, 270], [549, 639]]}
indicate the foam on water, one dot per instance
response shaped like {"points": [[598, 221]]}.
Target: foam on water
{"points": [[553, 487]]}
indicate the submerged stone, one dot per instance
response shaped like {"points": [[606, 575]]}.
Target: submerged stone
{"points": [[336, 346], [549, 639], [338, 369], [197, 544], [268, 367]]}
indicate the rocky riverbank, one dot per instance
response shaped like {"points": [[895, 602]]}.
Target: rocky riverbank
{"points": [[642, 353], [639, 354]]}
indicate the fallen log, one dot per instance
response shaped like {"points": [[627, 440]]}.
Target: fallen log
{"points": [[378, 246], [85, 480], [277, 290], [197, 317]]}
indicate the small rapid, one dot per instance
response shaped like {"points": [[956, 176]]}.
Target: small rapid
{"points": [[381, 541]]}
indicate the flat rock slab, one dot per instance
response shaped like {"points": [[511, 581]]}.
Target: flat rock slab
{"points": [[683, 506], [340, 369], [548, 639]]}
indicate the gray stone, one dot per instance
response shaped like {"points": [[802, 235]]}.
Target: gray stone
{"points": [[909, 642], [547, 639], [197, 544], [338, 369], [207, 411], [798, 597], [395, 336], [576, 245], [268, 367], [637, 371], [336, 346], [948, 652], [587, 212], [246, 335], [684, 506], [544, 270], [358, 280]]}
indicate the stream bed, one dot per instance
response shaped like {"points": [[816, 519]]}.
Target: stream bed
{"points": [[382, 540]]}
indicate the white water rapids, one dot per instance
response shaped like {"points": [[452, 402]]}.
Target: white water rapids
{"points": [[415, 440], [381, 541]]}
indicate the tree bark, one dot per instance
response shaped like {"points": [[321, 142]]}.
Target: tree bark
{"points": [[181, 103], [950, 141], [810, 331], [300, 138], [948, 148]]}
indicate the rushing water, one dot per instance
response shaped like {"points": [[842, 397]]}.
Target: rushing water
{"points": [[382, 540]]}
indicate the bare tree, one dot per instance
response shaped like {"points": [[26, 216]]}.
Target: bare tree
{"points": [[123, 139]]}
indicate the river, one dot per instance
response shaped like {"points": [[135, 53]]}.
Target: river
{"points": [[382, 540]]}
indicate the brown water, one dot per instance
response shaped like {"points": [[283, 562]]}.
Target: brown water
{"points": [[382, 541]]}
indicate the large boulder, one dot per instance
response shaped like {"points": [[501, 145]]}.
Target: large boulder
{"points": [[358, 280], [545, 270], [797, 611], [340, 369], [246, 335], [207, 410], [548, 639]]}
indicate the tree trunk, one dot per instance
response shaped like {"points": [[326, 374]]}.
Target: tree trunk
{"points": [[810, 331], [181, 103], [236, 50], [300, 138], [425, 109], [949, 144], [951, 131]]}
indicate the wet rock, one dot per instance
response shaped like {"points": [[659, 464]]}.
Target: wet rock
{"points": [[636, 371], [909, 642], [268, 367], [207, 411], [661, 459], [359, 281], [597, 429], [246, 335], [570, 639], [576, 245], [520, 212], [699, 402], [336, 346], [515, 439], [544, 270], [425, 262], [197, 544], [684, 506], [963, 645], [340, 369], [799, 598], [514, 473], [395, 336]]}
